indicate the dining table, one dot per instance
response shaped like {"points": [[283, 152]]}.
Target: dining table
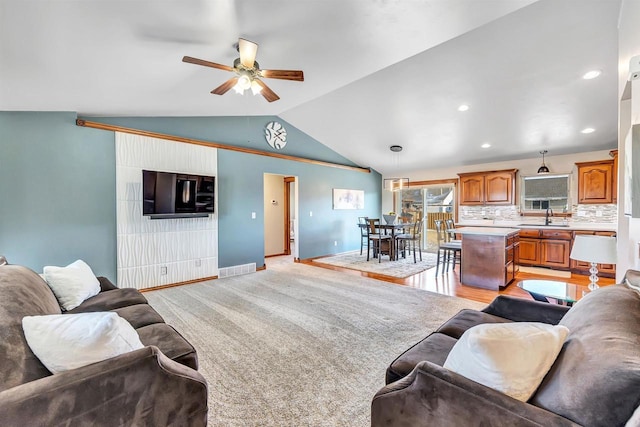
{"points": [[393, 230]]}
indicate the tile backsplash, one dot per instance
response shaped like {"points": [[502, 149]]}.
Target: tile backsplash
{"points": [[607, 214]]}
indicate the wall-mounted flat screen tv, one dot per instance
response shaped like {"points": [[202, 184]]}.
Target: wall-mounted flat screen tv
{"points": [[177, 195]]}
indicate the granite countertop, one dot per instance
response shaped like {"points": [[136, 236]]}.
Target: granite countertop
{"points": [[487, 231], [533, 224]]}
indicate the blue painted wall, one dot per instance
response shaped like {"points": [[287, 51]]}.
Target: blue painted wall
{"points": [[57, 192], [57, 188], [240, 185]]}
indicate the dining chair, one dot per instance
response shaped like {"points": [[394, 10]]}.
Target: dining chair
{"points": [[450, 228], [446, 249], [363, 225], [374, 235], [411, 239]]}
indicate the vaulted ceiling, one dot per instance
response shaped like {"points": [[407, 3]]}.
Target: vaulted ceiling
{"points": [[377, 72]]}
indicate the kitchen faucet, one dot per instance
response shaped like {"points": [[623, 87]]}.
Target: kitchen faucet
{"points": [[547, 215]]}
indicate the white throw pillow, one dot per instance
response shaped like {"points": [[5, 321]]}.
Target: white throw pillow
{"points": [[69, 341], [72, 284], [510, 357]]}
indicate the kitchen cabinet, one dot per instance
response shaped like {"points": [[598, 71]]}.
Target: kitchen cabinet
{"points": [[488, 188], [555, 253], [545, 248], [530, 251], [596, 182], [472, 190], [614, 154]]}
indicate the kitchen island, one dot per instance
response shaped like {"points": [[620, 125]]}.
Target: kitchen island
{"points": [[490, 256]]}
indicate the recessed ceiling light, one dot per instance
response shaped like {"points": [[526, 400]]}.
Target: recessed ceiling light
{"points": [[588, 130], [591, 74], [485, 145], [463, 107]]}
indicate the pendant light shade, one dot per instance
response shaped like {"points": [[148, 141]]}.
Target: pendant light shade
{"points": [[543, 168], [396, 184]]}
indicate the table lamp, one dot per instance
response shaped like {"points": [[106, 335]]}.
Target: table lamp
{"points": [[596, 250]]}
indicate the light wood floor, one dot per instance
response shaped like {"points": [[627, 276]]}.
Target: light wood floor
{"points": [[449, 283]]}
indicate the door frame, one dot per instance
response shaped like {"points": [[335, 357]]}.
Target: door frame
{"points": [[287, 213]]}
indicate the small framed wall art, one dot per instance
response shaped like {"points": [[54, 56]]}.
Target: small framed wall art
{"points": [[348, 199]]}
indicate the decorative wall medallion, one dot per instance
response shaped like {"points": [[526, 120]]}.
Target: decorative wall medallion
{"points": [[276, 135]]}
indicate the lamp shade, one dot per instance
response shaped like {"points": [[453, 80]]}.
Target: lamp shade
{"points": [[598, 249]]}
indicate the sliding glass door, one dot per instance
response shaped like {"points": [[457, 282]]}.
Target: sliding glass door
{"points": [[433, 202]]}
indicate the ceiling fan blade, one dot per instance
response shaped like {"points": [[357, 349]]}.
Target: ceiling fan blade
{"points": [[268, 94], [206, 63], [224, 87], [248, 50], [283, 74]]}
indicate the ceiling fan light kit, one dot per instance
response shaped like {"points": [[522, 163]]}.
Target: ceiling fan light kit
{"points": [[248, 73]]}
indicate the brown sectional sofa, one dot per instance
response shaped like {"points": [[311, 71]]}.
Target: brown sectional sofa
{"points": [[595, 380], [156, 386]]}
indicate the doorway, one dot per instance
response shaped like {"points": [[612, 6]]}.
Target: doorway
{"points": [[280, 216], [434, 200]]}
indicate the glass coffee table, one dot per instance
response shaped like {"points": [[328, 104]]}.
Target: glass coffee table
{"points": [[562, 292]]}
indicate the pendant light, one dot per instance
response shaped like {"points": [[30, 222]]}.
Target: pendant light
{"points": [[396, 184], [543, 168]]}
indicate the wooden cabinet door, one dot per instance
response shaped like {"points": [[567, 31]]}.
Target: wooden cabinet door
{"points": [[605, 268], [555, 253], [472, 190], [614, 154], [499, 188], [529, 251], [595, 182]]}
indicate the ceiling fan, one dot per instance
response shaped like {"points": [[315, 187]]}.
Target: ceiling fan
{"points": [[248, 72]]}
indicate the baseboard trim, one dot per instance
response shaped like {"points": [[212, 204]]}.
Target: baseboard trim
{"points": [[173, 285]]}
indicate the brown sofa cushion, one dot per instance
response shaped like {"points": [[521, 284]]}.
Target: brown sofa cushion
{"points": [[139, 315], [110, 300], [23, 293], [465, 319], [434, 348], [596, 378], [170, 343]]}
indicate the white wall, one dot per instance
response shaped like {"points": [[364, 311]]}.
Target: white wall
{"points": [[273, 214], [187, 247], [629, 114]]}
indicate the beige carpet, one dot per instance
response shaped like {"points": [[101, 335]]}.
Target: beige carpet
{"points": [[297, 345], [401, 268]]}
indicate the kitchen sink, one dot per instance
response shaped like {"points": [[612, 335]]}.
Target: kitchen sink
{"points": [[542, 225]]}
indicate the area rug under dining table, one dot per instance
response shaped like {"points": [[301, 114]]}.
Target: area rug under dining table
{"points": [[401, 268]]}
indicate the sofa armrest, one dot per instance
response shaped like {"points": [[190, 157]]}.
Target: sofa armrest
{"points": [[142, 387], [433, 396], [522, 310], [632, 278], [106, 285]]}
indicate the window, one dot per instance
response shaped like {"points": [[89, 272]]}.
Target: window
{"points": [[540, 192]]}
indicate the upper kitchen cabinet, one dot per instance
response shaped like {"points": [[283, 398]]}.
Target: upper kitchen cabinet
{"points": [[597, 182], [488, 188]]}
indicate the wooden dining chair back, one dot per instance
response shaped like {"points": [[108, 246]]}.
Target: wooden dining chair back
{"points": [[412, 240], [449, 251], [363, 225], [450, 228], [377, 238]]}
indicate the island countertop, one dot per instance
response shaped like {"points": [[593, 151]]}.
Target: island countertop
{"points": [[487, 231], [573, 225]]}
